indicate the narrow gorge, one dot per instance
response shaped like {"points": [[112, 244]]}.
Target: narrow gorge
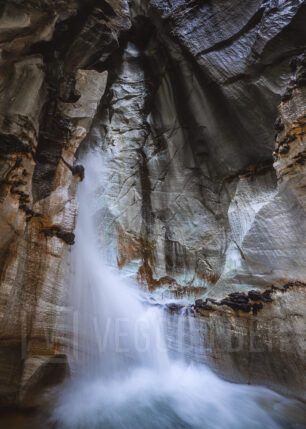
{"points": [[152, 214]]}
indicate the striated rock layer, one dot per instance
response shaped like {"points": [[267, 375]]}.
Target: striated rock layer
{"points": [[194, 201], [49, 95]]}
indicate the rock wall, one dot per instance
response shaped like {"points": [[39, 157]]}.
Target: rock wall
{"points": [[195, 203], [202, 198], [50, 91], [187, 128]]}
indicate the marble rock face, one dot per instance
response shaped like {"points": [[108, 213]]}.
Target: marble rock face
{"points": [[194, 199], [201, 198]]}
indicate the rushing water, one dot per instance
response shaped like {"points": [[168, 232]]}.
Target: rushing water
{"points": [[122, 374]]}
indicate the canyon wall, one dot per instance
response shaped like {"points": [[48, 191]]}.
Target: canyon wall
{"points": [[50, 92], [204, 198]]}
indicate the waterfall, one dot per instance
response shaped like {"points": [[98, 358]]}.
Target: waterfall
{"points": [[111, 326], [122, 374]]}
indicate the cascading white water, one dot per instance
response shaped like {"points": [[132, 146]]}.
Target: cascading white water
{"points": [[110, 324], [123, 377]]}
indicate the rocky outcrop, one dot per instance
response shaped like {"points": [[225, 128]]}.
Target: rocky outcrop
{"points": [[263, 347]]}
